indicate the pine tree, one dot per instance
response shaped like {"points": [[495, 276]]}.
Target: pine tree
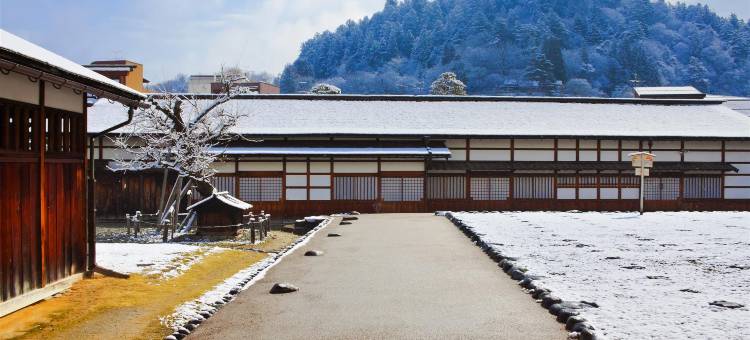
{"points": [[540, 69], [698, 74], [448, 85]]}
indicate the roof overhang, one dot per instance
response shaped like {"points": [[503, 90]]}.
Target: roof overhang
{"points": [[338, 148], [578, 166]]}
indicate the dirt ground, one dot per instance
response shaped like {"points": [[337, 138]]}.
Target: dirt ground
{"points": [[104, 307]]}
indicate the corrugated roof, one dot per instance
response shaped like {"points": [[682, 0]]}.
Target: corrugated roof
{"points": [[484, 116]]}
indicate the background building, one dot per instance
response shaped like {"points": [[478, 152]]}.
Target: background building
{"points": [[125, 72]]}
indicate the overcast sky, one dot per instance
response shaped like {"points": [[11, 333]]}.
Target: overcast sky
{"points": [[196, 36]]}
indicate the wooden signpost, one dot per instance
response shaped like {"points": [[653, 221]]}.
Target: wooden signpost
{"points": [[642, 162]]}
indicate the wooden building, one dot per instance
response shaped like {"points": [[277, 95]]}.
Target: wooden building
{"points": [[220, 213], [323, 154], [44, 240]]}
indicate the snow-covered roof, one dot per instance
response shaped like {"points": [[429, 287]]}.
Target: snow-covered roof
{"points": [[668, 92], [739, 104], [334, 151], [282, 115], [16, 45], [226, 198]]}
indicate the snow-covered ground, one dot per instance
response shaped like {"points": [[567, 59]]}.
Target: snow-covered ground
{"points": [[164, 259], [653, 276]]}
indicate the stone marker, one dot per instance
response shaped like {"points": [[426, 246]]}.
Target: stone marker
{"points": [[283, 288], [345, 223], [333, 235], [726, 304], [313, 253]]}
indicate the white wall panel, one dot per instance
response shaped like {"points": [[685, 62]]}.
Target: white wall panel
{"points": [[458, 155], [17, 87], [63, 98], [261, 166], [455, 143], [296, 167], [625, 153], [296, 194], [737, 156], [609, 144], [534, 143], [296, 180], [737, 193], [608, 193], [223, 167], [534, 155], [355, 167], [737, 181], [698, 145], [566, 155], [665, 144], [320, 180], [587, 156], [702, 156], [743, 168], [737, 145], [587, 193], [630, 144], [587, 144], [630, 193], [667, 156], [320, 167], [402, 166], [490, 155], [566, 193], [566, 143], [489, 143], [320, 194], [609, 156]]}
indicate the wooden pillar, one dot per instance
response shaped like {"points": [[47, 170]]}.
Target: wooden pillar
{"points": [[42, 213]]}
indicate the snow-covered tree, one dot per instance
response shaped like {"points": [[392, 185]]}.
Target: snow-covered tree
{"points": [[178, 133], [698, 74], [448, 85], [540, 69], [324, 88], [578, 87]]}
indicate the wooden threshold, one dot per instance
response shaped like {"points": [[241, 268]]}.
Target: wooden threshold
{"points": [[30, 298]]}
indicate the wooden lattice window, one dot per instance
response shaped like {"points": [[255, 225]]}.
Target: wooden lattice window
{"points": [[702, 187], [446, 187], [260, 189], [587, 181], [490, 188], [661, 188], [533, 187], [630, 182], [355, 188], [224, 183], [402, 189], [64, 131], [18, 126], [608, 182], [566, 181]]}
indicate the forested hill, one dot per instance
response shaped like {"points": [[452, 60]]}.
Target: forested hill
{"points": [[593, 47]]}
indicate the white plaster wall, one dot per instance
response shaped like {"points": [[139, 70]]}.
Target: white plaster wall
{"points": [[320, 194], [737, 193], [320, 167], [114, 154], [566, 155], [63, 98], [609, 144], [698, 145], [587, 193], [737, 156], [609, 156], [534, 155], [737, 181], [296, 167], [534, 143], [743, 168], [630, 144], [458, 155], [702, 156], [608, 193], [296, 180], [455, 143], [355, 167], [737, 145], [566, 193], [665, 144], [587, 156], [490, 155], [402, 166], [566, 143], [223, 167], [296, 194], [261, 166], [320, 180], [15, 86], [630, 193], [667, 156], [587, 144], [489, 143]]}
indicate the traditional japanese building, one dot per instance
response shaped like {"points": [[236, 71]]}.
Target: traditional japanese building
{"points": [[323, 154], [44, 240]]}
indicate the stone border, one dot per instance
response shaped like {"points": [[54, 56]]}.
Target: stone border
{"points": [[566, 311], [256, 272]]}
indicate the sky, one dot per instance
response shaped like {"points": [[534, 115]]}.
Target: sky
{"points": [[197, 36]]}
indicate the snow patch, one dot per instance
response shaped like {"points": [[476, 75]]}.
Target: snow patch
{"points": [[167, 260]]}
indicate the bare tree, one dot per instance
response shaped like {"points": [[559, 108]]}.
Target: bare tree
{"points": [[179, 133]]}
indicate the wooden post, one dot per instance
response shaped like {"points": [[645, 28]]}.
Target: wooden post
{"points": [[42, 213]]}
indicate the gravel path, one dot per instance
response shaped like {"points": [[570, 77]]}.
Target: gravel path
{"points": [[388, 276]]}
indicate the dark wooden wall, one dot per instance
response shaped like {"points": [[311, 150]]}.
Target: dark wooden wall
{"points": [[42, 196]]}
